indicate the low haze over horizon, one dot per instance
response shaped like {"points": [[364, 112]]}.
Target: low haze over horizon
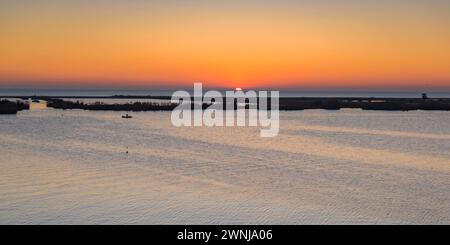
{"points": [[398, 45]]}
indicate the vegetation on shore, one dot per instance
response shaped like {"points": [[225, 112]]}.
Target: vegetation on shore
{"points": [[286, 104], [386, 104], [98, 106], [10, 107]]}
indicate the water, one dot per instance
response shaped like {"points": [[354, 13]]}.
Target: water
{"points": [[325, 167]]}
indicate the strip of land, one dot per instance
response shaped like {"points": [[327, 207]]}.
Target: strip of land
{"points": [[285, 103], [12, 107]]}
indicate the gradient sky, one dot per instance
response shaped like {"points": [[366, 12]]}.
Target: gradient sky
{"points": [[301, 44]]}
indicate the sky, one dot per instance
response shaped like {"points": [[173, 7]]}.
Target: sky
{"points": [[327, 44]]}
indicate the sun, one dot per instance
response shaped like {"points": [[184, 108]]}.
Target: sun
{"points": [[238, 89]]}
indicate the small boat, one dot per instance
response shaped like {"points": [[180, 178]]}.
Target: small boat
{"points": [[127, 116]]}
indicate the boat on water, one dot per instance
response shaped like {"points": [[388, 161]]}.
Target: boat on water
{"points": [[127, 116]]}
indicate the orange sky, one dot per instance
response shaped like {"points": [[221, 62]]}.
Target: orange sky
{"points": [[303, 44]]}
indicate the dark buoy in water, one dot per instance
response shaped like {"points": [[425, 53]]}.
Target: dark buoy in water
{"points": [[424, 96]]}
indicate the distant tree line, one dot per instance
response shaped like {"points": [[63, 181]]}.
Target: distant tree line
{"points": [[99, 106], [10, 107], [285, 104]]}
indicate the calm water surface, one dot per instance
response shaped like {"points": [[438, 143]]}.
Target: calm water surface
{"points": [[325, 167]]}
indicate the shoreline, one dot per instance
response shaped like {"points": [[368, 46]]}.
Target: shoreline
{"points": [[285, 103], [11, 108]]}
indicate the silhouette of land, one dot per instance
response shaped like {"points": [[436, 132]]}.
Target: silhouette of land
{"points": [[285, 103], [301, 103], [99, 106], [10, 107], [388, 104]]}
